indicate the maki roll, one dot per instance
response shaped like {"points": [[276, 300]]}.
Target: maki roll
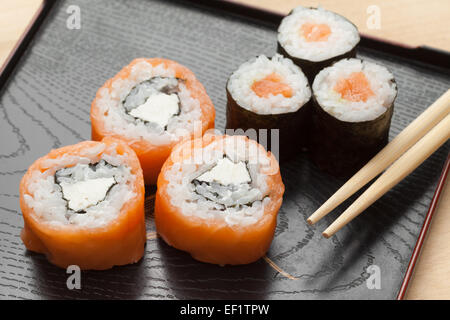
{"points": [[314, 38], [218, 198], [354, 102], [84, 205], [271, 93], [152, 104]]}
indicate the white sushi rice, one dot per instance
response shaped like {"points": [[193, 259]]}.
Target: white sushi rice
{"points": [[80, 187], [241, 81], [381, 82], [344, 35], [118, 121], [233, 194]]}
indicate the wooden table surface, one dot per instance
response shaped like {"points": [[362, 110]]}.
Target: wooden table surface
{"points": [[413, 22]]}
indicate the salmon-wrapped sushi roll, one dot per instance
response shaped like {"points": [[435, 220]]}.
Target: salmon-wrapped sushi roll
{"points": [[152, 104], [218, 198], [84, 205]]}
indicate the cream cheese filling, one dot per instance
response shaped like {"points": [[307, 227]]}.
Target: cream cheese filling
{"points": [[158, 108], [83, 194], [227, 172]]}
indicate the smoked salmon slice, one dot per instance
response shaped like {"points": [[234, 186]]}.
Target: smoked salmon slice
{"points": [[313, 32], [272, 84], [354, 88]]}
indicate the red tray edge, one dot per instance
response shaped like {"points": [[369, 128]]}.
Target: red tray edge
{"points": [[424, 231]]}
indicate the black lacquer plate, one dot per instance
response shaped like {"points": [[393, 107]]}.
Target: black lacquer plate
{"points": [[45, 104]]}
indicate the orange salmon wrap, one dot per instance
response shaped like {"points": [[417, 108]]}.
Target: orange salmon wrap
{"points": [[216, 229], [118, 110], [100, 237]]}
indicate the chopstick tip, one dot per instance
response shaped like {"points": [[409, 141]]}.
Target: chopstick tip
{"points": [[326, 235]]}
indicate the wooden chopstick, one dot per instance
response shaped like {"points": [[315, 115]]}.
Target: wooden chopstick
{"points": [[395, 173], [402, 142]]}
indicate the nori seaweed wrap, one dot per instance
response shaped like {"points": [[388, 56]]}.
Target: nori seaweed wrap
{"points": [[271, 94], [314, 38], [295, 127], [353, 103]]}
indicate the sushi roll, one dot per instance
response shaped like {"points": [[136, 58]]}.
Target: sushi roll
{"points": [[152, 104], [271, 93], [314, 38], [218, 198], [354, 102], [84, 205]]}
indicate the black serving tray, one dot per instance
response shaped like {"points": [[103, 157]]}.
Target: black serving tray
{"points": [[46, 90]]}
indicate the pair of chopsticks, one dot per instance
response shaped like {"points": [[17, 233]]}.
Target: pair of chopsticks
{"points": [[422, 137]]}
